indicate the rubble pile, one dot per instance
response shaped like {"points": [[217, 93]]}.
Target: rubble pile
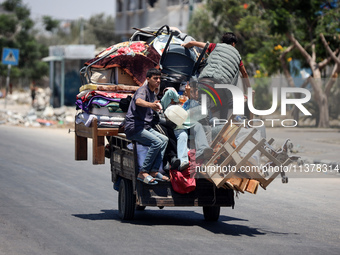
{"points": [[18, 109]]}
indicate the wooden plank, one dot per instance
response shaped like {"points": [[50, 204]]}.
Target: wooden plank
{"points": [[252, 186], [270, 141], [83, 131], [274, 175], [252, 173], [80, 148], [244, 184], [246, 140], [220, 134], [107, 131], [98, 141], [214, 157], [98, 148], [236, 182], [232, 155]]}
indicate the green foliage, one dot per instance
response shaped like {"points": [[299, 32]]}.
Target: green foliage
{"points": [[262, 97], [7, 25], [201, 26], [50, 23], [306, 20], [290, 15], [15, 30], [334, 101], [10, 5], [22, 12], [101, 27], [279, 20], [264, 29], [334, 105], [261, 25], [313, 108], [244, 19], [328, 23], [98, 30]]}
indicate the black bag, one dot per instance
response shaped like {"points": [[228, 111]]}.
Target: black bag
{"points": [[148, 34], [124, 103], [167, 123]]}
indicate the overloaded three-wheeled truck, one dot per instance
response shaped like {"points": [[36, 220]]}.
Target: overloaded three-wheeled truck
{"points": [[114, 75], [214, 189], [135, 195]]}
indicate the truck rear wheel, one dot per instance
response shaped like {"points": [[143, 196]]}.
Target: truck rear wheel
{"points": [[126, 200], [211, 213]]}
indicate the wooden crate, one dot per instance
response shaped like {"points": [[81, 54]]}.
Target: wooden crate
{"points": [[227, 153]]}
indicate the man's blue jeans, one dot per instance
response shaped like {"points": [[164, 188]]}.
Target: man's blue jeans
{"points": [[197, 136], [182, 144], [157, 144]]}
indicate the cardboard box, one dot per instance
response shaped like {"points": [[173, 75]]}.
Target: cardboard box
{"points": [[121, 77], [99, 75]]}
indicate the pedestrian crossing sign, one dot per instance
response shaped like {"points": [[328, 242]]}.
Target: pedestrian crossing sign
{"points": [[10, 56]]}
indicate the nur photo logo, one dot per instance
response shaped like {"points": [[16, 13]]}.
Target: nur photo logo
{"points": [[212, 93]]}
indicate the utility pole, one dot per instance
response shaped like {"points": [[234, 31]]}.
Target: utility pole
{"points": [[191, 8], [9, 57], [181, 15], [7, 82]]}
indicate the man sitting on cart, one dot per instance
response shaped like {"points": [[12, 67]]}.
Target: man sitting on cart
{"points": [[138, 122]]}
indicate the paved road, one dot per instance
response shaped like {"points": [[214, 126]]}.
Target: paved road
{"points": [[51, 204], [310, 143]]}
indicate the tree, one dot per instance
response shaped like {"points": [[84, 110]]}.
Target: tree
{"points": [[272, 32], [209, 22], [98, 30], [102, 28], [15, 28], [50, 23], [306, 25]]}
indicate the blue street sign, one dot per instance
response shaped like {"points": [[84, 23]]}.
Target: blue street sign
{"points": [[10, 56]]}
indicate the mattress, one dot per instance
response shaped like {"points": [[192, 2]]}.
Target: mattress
{"points": [[111, 88]]}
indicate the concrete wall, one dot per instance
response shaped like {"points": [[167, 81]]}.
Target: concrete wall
{"points": [[163, 12]]}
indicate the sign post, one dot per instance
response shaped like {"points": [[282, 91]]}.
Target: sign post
{"points": [[9, 57]]}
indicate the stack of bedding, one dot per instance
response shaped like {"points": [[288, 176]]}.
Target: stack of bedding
{"points": [[102, 102], [114, 74]]}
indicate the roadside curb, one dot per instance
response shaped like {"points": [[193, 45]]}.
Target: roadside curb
{"points": [[333, 167]]}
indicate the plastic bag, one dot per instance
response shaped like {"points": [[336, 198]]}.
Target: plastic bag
{"points": [[182, 182]]}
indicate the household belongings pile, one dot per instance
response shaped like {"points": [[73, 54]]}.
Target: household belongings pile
{"points": [[111, 77], [117, 72]]}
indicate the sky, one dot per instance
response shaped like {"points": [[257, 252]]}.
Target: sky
{"points": [[69, 9]]}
